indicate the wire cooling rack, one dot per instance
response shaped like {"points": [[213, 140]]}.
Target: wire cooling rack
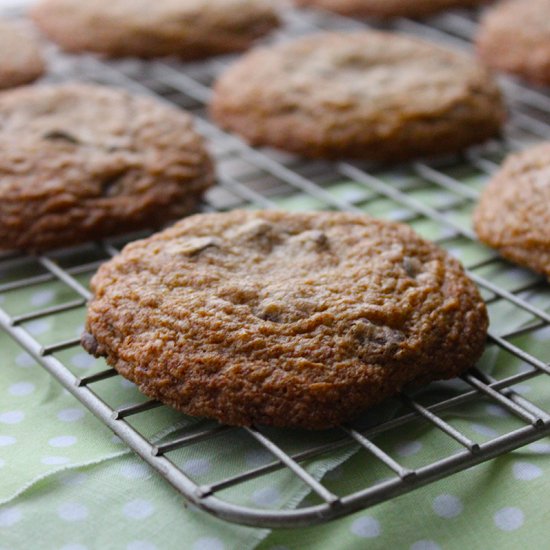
{"points": [[264, 178]]}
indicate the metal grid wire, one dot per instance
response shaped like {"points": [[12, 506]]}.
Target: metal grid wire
{"points": [[263, 178]]}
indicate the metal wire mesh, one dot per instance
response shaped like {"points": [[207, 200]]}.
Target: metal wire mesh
{"points": [[264, 178]]}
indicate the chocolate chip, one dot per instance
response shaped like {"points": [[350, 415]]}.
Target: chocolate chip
{"points": [[110, 185], [89, 343], [412, 266], [60, 135]]}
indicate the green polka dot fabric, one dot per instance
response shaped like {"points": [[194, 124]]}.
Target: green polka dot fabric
{"points": [[68, 483]]}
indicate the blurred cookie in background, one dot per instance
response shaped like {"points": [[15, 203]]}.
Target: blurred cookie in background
{"points": [[513, 214], [370, 95], [190, 29], [388, 8], [514, 37], [20, 59], [81, 162]]}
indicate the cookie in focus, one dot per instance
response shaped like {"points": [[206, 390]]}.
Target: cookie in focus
{"points": [[285, 319]]}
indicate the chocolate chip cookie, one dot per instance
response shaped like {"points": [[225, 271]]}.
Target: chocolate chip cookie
{"points": [[186, 29], [285, 319], [514, 37], [82, 162], [370, 95], [513, 214], [20, 59], [389, 8]]}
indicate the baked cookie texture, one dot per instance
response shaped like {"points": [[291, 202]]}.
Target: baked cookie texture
{"points": [[514, 36], [81, 162], [189, 29], [372, 95], [388, 8], [513, 214], [285, 319], [20, 59]]}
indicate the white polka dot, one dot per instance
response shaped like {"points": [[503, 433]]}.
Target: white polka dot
{"points": [[508, 519], [258, 457], [136, 470], [21, 388], [54, 460], [10, 516], [12, 417], [366, 527], [74, 547], [42, 297], [497, 410], [72, 511], [447, 506], [82, 360], [24, 360], [408, 448], [456, 252], [138, 509], [542, 335], [540, 447], [126, 383], [73, 479], [208, 543], [6, 440], [267, 496], [484, 430], [197, 466], [425, 545], [398, 214], [70, 415], [140, 545], [38, 327], [525, 471], [62, 441]]}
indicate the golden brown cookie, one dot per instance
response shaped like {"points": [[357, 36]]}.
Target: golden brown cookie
{"points": [[389, 8], [300, 320], [83, 162], [371, 95], [514, 37], [20, 59], [513, 214], [188, 29]]}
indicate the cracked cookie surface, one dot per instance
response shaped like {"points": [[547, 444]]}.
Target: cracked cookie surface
{"points": [[514, 36], [20, 59], [371, 95], [389, 8], [189, 29], [513, 214], [285, 319], [83, 162]]}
